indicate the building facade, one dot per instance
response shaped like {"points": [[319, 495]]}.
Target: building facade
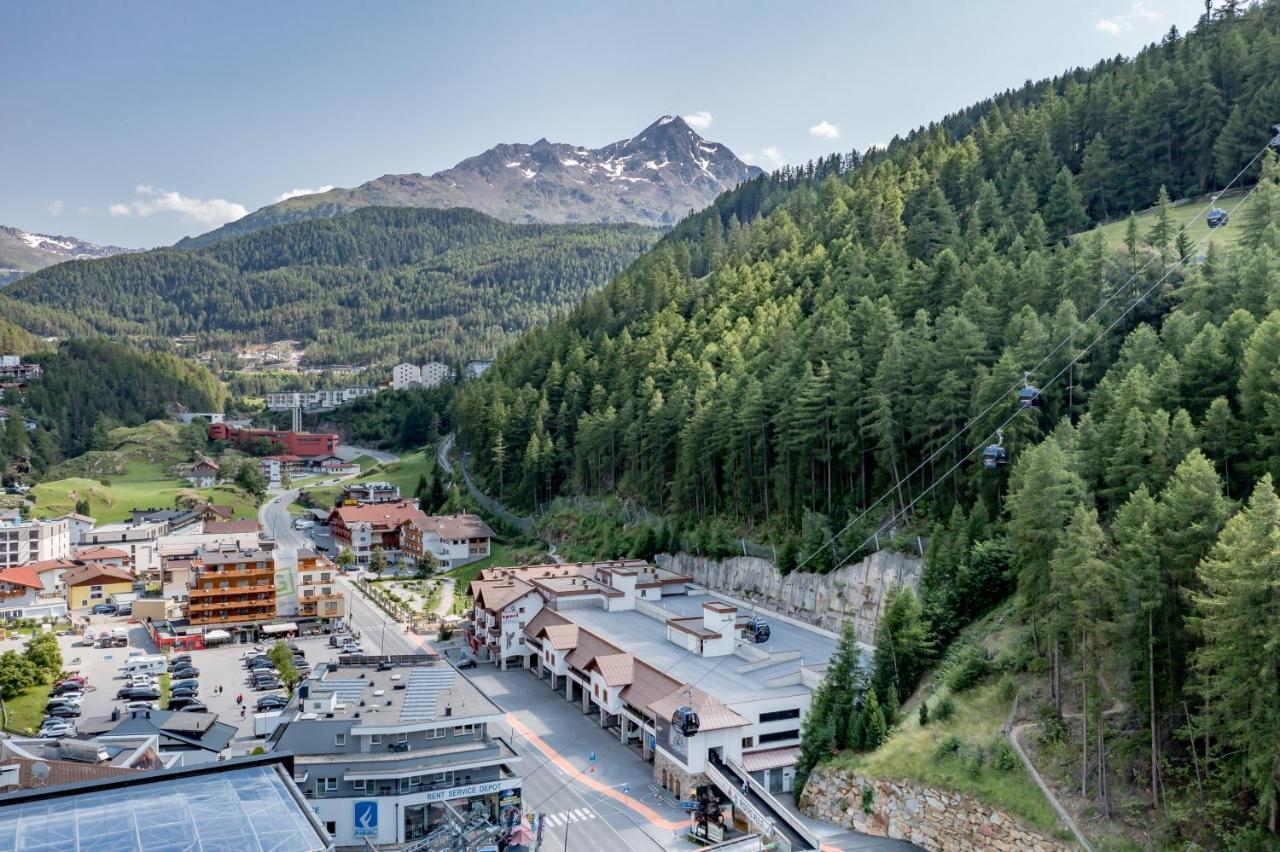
{"points": [[447, 540], [369, 492], [234, 589], [380, 744], [317, 400], [92, 584], [77, 526], [305, 444], [364, 529], [23, 541], [318, 592], [140, 540]]}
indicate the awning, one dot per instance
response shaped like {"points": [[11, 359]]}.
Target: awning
{"points": [[287, 627], [774, 758], [217, 635]]}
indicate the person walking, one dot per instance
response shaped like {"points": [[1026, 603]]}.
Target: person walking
{"points": [[242, 714]]}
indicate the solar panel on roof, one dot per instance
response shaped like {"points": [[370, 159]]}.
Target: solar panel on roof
{"points": [[346, 690], [423, 691]]}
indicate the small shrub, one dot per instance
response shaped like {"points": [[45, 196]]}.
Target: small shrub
{"points": [[1008, 687], [945, 709], [968, 669], [948, 747], [868, 795], [924, 713], [1003, 757], [974, 760]]}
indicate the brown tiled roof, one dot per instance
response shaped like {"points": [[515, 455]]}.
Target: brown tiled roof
{"points": [[773, 758], [454, 526], [616, 669], [64, 772], [87, 574], [385, 515], [496, 594], [562, 636], [588, 647], [21, 575], [90, 553], [545, 618], [648, 685], [712, 715], [241, 526]]}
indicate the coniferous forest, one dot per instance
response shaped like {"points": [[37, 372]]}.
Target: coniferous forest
{"points": [[826, 352], [376, 285]]}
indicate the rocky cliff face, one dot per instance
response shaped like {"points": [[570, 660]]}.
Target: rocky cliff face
{"points": [[856, 592], [928, 817]]}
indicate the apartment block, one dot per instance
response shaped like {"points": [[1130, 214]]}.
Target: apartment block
{"points": [[232, 588], [318, 593]]}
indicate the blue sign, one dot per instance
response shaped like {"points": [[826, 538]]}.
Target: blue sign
{"points": [[626, 789], [366, 819], [689, 806], [592, 757]]}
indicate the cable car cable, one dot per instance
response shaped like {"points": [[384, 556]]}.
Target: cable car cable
{"points": [[1017, 386]]}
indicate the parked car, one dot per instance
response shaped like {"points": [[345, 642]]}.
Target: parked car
{"points": [[260, 663], [62, 711], [142, 680], [187, 704], [76, 698], [183, 673], [141, 693], [179, 662], [140, 705], [174, 684], [80, 680], [185, 686], [271, 702], [266, 685], [55, 728], [103, 609], [67, 688], [467, 664]]}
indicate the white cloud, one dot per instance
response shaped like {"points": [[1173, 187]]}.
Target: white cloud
{"points": [[294, 193], [825, 130], [700, 119], [1128, 21], [55, 208], [773, 157], [212, 212]]}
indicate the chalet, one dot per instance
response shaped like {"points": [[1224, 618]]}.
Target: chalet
{"points": [[448, 540], [276, 468], [204, 473], [102, 555], [22, 595], [364, 528], [92, 584]]}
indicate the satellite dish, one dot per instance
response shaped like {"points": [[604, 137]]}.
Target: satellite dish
{"points": [[40, 772]]}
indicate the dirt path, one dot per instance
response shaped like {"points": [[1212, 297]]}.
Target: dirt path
{"points": [[446, 597], [1014, 732]]}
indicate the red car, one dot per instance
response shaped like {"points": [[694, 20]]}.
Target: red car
{"points": [[79, 680]]}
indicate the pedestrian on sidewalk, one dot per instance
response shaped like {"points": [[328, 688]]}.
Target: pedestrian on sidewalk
{"points": [[242, 713]]}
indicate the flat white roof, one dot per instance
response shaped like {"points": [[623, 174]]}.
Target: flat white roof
{"points": [[720, 677]]}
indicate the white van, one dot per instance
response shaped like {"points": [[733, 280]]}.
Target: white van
{"points": [[152, 664], [303, 524]]}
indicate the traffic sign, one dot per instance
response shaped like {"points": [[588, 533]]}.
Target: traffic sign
{"points": [[626, 789], [592, 757], [689, 806]]}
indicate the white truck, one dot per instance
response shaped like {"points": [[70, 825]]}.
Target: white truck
{"points": [[147, 664]]}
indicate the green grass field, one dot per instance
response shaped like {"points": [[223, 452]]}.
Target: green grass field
{"points": [[135, 473], [499, 554], [1189, 210], [26, 712], [404, 473]]}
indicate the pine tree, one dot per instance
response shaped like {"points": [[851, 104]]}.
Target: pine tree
{"points": [[1238, 666], [1064, 209], [1161, 233]]}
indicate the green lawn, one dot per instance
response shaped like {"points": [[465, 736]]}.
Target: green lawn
{"points": [[164, 691], [26, 712], [1113, 233], [499, 555], [404, 473], [140, 486]]}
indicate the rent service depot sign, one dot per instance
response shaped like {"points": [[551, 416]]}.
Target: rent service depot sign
{"points": [[366, 819]]}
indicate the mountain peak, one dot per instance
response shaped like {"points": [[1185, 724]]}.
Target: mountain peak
{"points": [[24, 251], [652, 178]]}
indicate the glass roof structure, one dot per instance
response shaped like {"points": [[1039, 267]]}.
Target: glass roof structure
{"points": [[250, 809]]}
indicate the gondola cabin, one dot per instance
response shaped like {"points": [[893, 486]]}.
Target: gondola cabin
{"points": [[1217, 217], [758, 631], [994, 456], [1029, 397], [685, 720]]}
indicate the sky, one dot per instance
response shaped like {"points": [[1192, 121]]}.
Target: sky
{"points": [[136, 123]]}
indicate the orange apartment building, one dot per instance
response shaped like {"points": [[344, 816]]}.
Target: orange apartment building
{"points": [[318, 594], [231, 588]]}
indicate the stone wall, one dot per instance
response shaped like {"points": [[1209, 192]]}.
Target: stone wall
{"points": [[930, 818], [856, 591]]}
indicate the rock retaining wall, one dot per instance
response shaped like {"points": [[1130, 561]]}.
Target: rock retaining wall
{"points": [[856, 591], [931, 818]]}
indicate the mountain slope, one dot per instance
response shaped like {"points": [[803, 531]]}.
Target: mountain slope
{"points": [[801, 359], [22, 251], [653, 178], [374, 284]]}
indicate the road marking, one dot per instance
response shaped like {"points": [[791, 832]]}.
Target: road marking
{"points": [[572, 815], [569, 769]]}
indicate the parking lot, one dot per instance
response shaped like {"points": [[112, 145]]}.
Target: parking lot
{"points": [[219, 667]]}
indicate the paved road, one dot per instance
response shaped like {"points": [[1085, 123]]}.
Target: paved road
{"points": [[442, 453], [347, 453], [591, 820]]}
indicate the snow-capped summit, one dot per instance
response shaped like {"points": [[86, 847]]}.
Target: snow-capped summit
{"points": [[653, 178], [22, 251]]}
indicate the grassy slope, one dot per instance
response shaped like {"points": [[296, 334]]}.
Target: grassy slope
{"points": [[911, 754], [1113, 233], [137, 471], [404, 473]]}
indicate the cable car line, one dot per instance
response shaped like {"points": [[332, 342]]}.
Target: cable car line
{"points": [[999, 430], [1056, 349]]}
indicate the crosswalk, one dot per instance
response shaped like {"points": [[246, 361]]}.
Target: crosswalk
{"points": [[572, 815]]}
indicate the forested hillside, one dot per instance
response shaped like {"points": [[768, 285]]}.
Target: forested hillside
{"points": [[92, 386], [832, 347], [383, 284]]}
